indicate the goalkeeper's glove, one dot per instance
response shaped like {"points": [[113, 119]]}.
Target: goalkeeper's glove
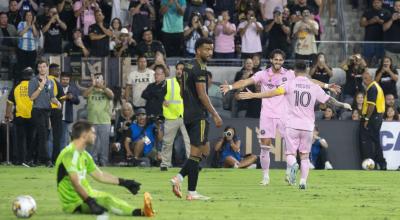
{"points": [[94, 207], [131, 185]]}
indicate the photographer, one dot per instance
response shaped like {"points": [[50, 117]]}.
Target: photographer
{"points": [[193, 31], [144, 135], [155, 92], [122, 124], [229, 148]]}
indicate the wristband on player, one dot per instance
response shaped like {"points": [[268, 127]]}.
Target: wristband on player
{"points": [[230, 87], [366, 118], [326, 86]]}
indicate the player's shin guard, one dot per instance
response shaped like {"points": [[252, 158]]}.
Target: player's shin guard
{"points": [[305, 167], [265, 159], [193, 172]]}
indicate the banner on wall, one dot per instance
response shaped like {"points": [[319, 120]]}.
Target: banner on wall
{"points": [[390, 141]]}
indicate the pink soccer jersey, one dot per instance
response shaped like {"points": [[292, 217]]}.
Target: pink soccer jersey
{"points": [[301, 95], [274, 107]]}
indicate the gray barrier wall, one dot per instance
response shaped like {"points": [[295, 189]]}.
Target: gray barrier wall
{"points": [[342, 137]]}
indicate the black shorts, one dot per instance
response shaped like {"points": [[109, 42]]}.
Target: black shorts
{"points": [[198, 132]]}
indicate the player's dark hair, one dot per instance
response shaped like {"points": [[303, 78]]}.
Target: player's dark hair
{"points": [[279, 52], [80, 127], [300, 66], [201, 41]]}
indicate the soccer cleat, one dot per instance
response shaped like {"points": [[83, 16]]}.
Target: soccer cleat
{"points": [[264, 181], [196, 196], [163, 168], [302, 184], [293, 173], [328, 166], [148, 208], [176, 186]]}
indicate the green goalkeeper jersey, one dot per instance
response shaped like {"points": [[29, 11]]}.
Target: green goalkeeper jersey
{"points": [[70, 161]]}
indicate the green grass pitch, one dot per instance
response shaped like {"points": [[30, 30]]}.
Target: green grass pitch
{"points": [[235, 194]]}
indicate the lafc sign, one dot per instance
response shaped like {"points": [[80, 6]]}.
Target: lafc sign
{"points": [[278, 149]]}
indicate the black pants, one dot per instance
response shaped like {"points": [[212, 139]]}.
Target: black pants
{"points": [[56, 128], [40, 119], [370, 146], [173, 43], [24, 128], [25, 58], [321, 159]]}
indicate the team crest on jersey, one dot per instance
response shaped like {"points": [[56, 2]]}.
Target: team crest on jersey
{"points": [[270, 86], [284, 79], [262, 132]]}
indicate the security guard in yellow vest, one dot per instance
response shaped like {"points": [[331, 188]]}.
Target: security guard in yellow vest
{"points": [[19, 99], [56, 113], [372, 114], [173, 113]]}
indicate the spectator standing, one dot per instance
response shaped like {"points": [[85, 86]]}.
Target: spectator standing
{"points": [[305, 31], [99, 34], [77, 48], [137, 81], [173, 114], [321, 71], [52, 29], [391, 114], [370, 126], [319, 152], [372, 20], [210, 21], [27, 43], [99, 114], [40, 91], [354, 67], [149, 47], [70, 99], [55, 112], [386, 75], [268, 8], [155, 92], [391, 29], [8, 41], [22, 118], [143, 16], [225, 5], [278, 29], [126, 46], [296, 11], [84, 11], [250, 31], [172, 28], [194, 6], [13, 14], [224, 37], [192, 32], [27, 5]]}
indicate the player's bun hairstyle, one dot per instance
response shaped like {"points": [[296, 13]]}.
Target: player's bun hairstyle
{"points": [[201, 41], [300, 66], [277, 51], [80, 127]]}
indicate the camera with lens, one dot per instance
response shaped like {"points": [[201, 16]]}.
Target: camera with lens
{"points": [[228, 134], [157, 119]]}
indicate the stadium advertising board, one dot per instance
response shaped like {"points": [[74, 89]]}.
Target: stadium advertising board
{"points": [[390, 140]]}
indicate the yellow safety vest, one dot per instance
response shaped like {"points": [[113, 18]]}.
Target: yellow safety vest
{"points": [[55, 90], [174, 109], [23, 104], [380, 99]]}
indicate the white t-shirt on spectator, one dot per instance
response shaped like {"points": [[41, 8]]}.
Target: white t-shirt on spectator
{"points": [[305, 40], [193, 38], [251, 41], [139, 82]]}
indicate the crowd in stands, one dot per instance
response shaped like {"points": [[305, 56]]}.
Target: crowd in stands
{"points": [[151, 31]]}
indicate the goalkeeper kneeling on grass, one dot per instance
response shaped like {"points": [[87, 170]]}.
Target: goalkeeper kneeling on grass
{"points": [[74, 191]]}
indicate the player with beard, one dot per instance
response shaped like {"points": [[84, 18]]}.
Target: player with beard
{"points": [[273, 109], [74, 191], [197, 105]]}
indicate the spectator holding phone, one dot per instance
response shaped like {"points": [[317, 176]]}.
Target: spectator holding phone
{"points": [[229, 148], [321, 71], [224, 37]]}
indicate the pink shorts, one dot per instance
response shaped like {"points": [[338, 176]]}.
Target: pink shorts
{"points": [[269, 126], [298, 140]]}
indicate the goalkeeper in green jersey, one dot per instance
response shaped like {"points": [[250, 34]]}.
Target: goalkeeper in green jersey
{"points": [[74, 191]]}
